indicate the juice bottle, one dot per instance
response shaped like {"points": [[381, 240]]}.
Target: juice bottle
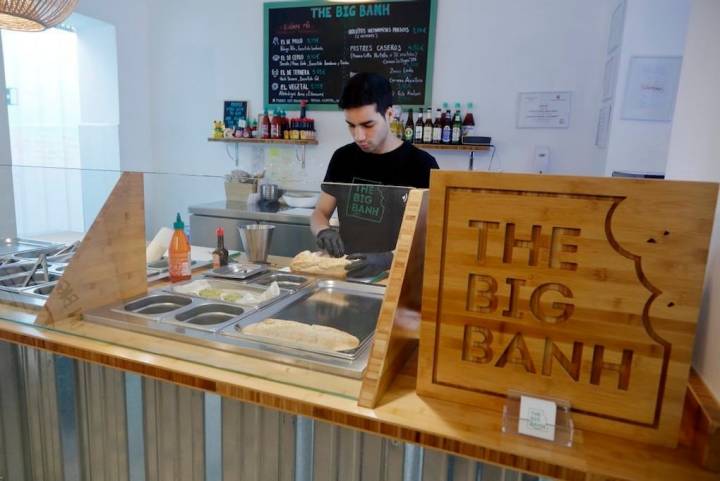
{"points": [[179, 253]]}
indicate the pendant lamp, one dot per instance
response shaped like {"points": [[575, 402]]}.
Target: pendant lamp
{"points": [[34, 15]]}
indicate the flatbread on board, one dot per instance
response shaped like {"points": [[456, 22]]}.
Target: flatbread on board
{"points": [[315, 335], [319, 263]]}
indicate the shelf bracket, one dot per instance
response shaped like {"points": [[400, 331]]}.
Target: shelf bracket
{"points": [[301, 156]]}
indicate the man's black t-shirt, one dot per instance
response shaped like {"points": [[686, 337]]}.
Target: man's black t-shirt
{"points": [[370, 214], [405, 166]]}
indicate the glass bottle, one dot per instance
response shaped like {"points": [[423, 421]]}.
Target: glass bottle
{"points": [[437, 128], [409, 127], [418, 139], [428, 127], [220, 256], [468, 124]]}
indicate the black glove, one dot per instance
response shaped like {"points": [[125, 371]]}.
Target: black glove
{"points": [[369, 265], [330, 241]]}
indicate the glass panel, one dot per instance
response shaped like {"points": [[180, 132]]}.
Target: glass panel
{"points": [[256, 321]]}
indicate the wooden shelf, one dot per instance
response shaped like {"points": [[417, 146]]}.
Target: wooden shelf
{"points": [[234, 140], [460, 147]]}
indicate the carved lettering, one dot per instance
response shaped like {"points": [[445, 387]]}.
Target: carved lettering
{"points": [[483, 227], [512, 310], [622, 369], [553, 352], [478, 349], [533, 244], [481, 293], [558, 246], [517, 344], [476, 344], [565, 308]]}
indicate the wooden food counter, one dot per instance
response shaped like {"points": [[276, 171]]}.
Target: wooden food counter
{"points": [[390, 383]]}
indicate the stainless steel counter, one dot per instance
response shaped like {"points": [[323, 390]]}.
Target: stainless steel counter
{"points": [[243, 210], [292, 225]]}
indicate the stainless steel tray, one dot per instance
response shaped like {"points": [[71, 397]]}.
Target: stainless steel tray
{"points": [[237, 271], [349, 307], [285, 280], [232, 285]]}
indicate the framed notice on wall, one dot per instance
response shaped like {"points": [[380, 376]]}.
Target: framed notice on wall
{"points": [[312, 48], [651, 88], [543, 110]]}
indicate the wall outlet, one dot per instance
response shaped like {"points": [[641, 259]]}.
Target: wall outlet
{"points": [[541, 161]]}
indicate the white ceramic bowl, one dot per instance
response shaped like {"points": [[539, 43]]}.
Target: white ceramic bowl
{"points": [[301, 199]]}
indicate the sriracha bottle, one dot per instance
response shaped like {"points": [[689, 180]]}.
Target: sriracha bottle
{"points": [[179, 253]]}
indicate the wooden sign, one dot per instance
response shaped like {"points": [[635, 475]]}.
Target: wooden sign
{"points": [[583, 289], [110, 264]]}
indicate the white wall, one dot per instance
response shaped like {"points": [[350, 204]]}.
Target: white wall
{"points": [[99, 110], [201, 57], [693, 155], [652, 28], [131, 21]]}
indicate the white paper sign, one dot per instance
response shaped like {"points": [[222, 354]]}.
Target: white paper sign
{"points": [[537, 418], [543, 110], [651, 88]]}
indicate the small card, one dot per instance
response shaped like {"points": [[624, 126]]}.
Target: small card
{"points": [[537, 418]]}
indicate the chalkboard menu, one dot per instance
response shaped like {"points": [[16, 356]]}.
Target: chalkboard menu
{"points": [[233, 111], [312, 48]]}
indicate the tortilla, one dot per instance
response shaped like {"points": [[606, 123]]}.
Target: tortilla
{"points": [[314, 336]]}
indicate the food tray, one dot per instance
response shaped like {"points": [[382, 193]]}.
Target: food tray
{"points": [[236, 271], [350, 307], [285, 280], [223, 284]]}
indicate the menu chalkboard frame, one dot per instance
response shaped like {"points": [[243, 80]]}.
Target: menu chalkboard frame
{"points": [[230, 108], [268, 6]]}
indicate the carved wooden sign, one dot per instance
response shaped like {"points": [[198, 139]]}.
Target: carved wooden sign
{"points": [[584, 289]]}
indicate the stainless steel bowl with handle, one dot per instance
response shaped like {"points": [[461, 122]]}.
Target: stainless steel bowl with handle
{"points": [[269, 192]]}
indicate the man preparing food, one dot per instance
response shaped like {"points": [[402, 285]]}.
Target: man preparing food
{"points": [[376, 158]]}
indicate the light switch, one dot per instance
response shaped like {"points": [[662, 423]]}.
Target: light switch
{"points": [[541, 162]]}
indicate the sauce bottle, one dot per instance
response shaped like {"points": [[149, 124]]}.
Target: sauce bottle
{"points": [[456, 126], [179, 253], [468, 125], [265, 126], [275, 126], [220, 256]]}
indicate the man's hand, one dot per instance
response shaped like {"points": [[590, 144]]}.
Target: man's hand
{"points": [[330, 241], [369, 265]]}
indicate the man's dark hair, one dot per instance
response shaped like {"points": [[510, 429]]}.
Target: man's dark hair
{"points": [[366, 89]]}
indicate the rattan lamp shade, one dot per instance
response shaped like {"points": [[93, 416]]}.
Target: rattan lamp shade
{"points": [[34, 15]]}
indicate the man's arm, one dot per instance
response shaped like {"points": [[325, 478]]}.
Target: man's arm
{"points": [[324, 209]]}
